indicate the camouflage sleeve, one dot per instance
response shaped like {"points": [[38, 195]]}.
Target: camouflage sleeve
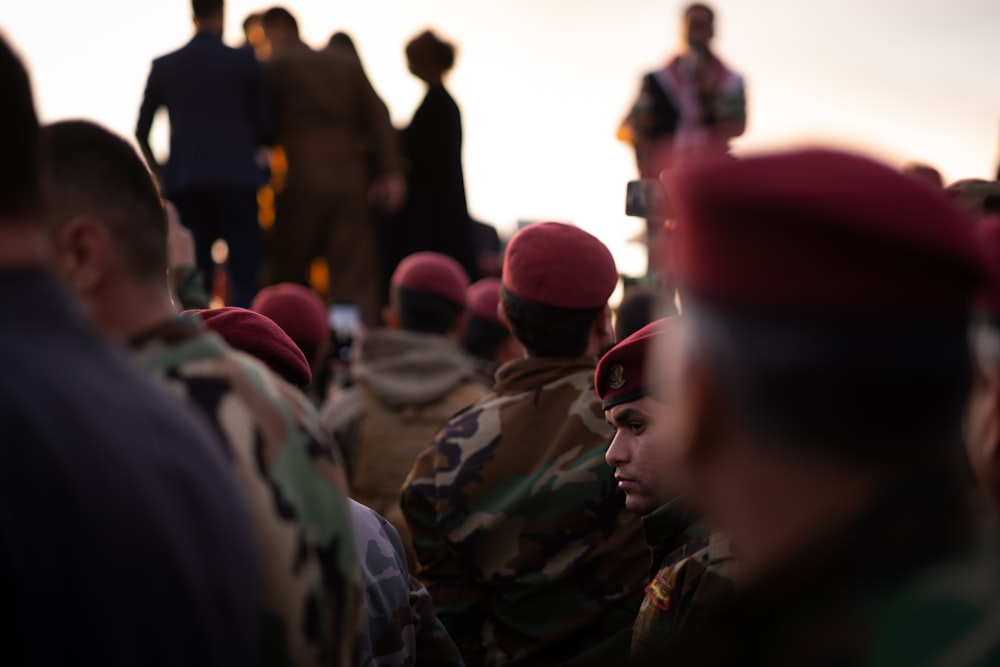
{"points": [[402, 627], [341, 416], [461, 607]]}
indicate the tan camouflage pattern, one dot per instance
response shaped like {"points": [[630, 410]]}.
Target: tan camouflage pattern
{"points": [[521, 533], [294, 486]]}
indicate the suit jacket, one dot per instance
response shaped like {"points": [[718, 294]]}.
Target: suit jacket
{"points": [[217, 103]]}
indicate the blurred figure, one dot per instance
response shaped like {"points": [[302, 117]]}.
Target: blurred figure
{"points": [[329, 121], [302, 315], [215, 99], [185, 278], [692, 569], [410, 377], [487, 339], [254, 39], [924, 173], [694, 105], [436, 215], [402, 627], [983, 422], [487, 250], [122, 535], [639, 308], [522, 538], [110, 234], [976, 197], [826, 364]]}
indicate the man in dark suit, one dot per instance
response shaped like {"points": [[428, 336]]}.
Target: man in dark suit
{"points": [[218, 119]]}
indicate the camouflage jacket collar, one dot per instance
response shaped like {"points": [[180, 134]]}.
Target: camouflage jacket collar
{"points": [[527, 374], [182, 338], [668, 528]]}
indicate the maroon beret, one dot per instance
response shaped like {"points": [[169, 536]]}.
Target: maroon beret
{"points": [[259, 337], [483, 298], [298, 311], [621, 375], [433, 273], [989, 234], [821, 233], [560, 266]]}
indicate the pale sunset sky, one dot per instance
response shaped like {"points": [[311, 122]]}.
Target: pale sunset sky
{"points": [[543, 84]]}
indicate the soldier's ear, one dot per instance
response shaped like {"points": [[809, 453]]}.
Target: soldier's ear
{"points": [[84, 254]]}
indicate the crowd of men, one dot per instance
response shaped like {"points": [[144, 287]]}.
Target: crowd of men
{"points": [[802, 467]]}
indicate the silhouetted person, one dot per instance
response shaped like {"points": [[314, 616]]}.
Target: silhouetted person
{"points": [[215, 99], [328, 120], [436, 216], [254, 38]]}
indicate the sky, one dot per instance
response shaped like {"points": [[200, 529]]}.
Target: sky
{"points": [[543, 84]]}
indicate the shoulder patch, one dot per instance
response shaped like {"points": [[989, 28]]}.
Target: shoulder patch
{"points": [[659, 591]]}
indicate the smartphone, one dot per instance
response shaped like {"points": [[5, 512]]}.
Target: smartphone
{"points": [[344, 320], [647, 199]]}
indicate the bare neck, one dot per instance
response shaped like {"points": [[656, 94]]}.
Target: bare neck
{"points": [[129, 309]]}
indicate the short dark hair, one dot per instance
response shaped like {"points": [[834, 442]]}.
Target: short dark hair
{"points": [[202, 9], [425, 312], [431, 49], [20, 191], [483, 338], [88, 169], [698, 6], [279, 16], [548, 332], [252, 17]]}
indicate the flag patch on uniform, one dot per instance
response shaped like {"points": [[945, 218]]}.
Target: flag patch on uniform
{"points": [[658, 591]]}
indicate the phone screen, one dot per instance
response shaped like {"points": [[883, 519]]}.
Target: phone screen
{"points": [[344, 320]]}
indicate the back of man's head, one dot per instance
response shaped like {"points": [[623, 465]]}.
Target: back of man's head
{"points": [[89, 171], [203, 9], [557, 279], [428, 293], [279, 17], [20, 194]]}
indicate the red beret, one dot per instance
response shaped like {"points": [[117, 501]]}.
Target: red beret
{"points": [[989, 234], [433, 273], [483, 297], [560, 266], [259, 337], [621, 373], [298, 311], [818, 233]]}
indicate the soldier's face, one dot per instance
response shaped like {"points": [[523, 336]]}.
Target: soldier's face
{"points": [[639, 453]]}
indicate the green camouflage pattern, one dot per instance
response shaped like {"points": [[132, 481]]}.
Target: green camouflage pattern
{"points": [[293, 484], [521, 533], [402, 628]]}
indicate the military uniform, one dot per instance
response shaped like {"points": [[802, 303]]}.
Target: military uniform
{"points": [[292, 482], [691, 571], [522, 536], [402, 628]]}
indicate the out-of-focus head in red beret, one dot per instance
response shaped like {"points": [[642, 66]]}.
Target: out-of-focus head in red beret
{"points": [[432, 273], [560, 266], [483, 298], [299, 312], [259, 337], [622, 374], [821, 233]]}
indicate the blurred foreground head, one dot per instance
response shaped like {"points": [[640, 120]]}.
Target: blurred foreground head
{"points": [[826, 304], [20, 194]]}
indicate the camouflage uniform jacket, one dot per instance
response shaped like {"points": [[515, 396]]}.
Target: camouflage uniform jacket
{"points": [[691, 572], [909, 582], [402, 628], [292, 481], [521, 532]]}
